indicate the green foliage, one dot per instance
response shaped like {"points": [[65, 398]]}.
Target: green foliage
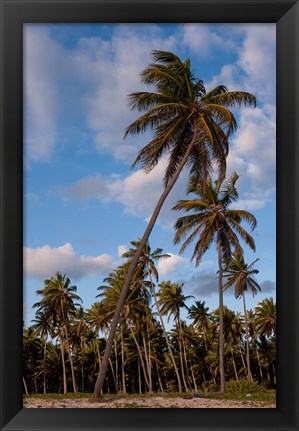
{"points": [[245, 387]]}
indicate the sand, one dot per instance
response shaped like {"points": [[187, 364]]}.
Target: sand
{"points": [[139, 402]]}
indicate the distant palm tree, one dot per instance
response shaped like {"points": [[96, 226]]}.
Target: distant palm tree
{"points": [[42, 326], [58, 303], [146, 266], [240, 275], [191, 126], [212, 221], [171, 300], [198, 312], [266, 317]]}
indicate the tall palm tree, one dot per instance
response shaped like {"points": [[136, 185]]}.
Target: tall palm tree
{"points": [[146, 266], [240, 274], [191, 125], [58, 303], [212, 221], [172, 299]]}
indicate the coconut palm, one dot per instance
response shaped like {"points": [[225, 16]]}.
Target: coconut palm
{"points": [[266, 317], [146, 266], [58, 303], [198, 312], [240, 275], [171, 300], [212, 221], [190, 125], [42, 326]]}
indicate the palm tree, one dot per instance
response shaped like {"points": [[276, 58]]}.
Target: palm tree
{"points": [[239, 274], [191, 125], [266, 317], [42, 326], [198, 312], [172, 299], [58, 303], [146, 265], [211, 221]]}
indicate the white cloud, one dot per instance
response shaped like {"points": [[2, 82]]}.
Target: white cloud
{"points": [[45, 261], [202, 40], [169, 264], [122, 249]]}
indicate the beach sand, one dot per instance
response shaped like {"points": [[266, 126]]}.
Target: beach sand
{"points": [[139, 402]]}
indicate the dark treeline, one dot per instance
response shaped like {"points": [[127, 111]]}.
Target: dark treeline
{"points": [[155, 350]]}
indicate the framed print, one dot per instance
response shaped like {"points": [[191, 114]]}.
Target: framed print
{"points": [[63, 158]]}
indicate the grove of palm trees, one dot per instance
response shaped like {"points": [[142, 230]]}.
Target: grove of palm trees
{"points": [[143, 335]]}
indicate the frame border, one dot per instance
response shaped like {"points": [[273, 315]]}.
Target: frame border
{"points": [[285, 13]]}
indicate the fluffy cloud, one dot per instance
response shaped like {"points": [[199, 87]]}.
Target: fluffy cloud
{"points": [[122, 249], [169, 264], [45, 261], [268, 286], [203, 284]]}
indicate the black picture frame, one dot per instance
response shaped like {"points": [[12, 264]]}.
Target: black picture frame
{"points": [[14, 13]]}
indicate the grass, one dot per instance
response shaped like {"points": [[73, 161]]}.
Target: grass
{"points": [[266, 396]]}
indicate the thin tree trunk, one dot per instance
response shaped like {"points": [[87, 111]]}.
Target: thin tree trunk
{"points": [[221, 338], [139, 376], [116, 365], [113, 375], [68, 348], [181, 357], [123, 376], [159, 378], [194, 381], [164, 330], [234, 364], [249, 376], [45, 354], [130, 273], [141, 358], [25, 386], [63, 366], [148, 365]]}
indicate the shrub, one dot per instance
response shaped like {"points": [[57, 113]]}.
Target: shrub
{"points": [[244, 386]]}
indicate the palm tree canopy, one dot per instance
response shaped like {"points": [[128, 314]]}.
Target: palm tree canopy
{"points": [[58, 298], [182, 113], [266, 317], [240, 274], [172, 299], [211, 219]]}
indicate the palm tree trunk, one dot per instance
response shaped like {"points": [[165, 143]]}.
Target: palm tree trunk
{"points": [[234, 364], [181, 354], [123, 376], [25, 386], [71, 360], [193, 379], [45, 354], [141, 358], [147, 364], [68, 348], [63, 366], [221, 338], [116, 365], [131, 270], [249, 376], [164, 330], [159, 378], [139, 377]]}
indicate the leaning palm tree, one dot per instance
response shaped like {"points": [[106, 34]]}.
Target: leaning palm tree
{"points": [[189, 124], [212, 221], [240, 274]]}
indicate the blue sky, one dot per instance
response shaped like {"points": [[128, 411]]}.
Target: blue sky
{"points": [[83, 203]]}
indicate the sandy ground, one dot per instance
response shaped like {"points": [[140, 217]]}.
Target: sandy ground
{"points": [[152, 402]]}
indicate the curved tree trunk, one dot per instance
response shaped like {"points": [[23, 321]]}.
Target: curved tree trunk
{"points": [[130, 273], [221, 338], [45, 354]]}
